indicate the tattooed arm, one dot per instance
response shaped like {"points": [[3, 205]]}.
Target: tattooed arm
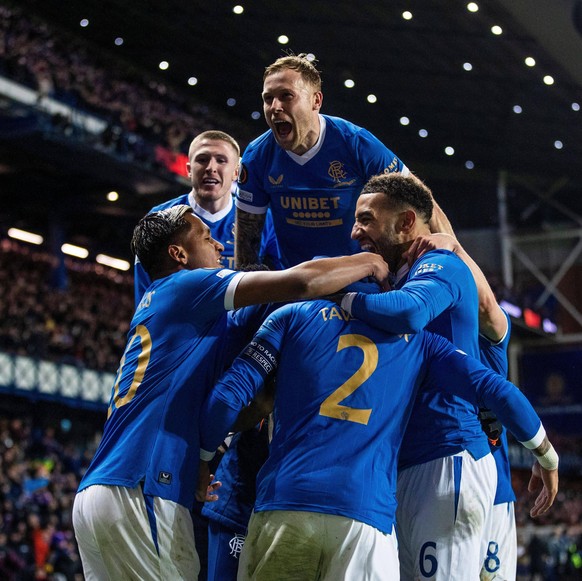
{"points": [[247, 241]]}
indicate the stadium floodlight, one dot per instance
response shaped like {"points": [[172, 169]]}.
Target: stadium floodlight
{"points": [[112, 262], [25, 236], [76, 251]]}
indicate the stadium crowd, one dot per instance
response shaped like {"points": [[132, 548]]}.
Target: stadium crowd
{"points": [[140, 112], [84, 325]]}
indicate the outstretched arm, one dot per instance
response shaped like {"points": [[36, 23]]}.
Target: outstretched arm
{"points": [[247, 238], [314, 278]]}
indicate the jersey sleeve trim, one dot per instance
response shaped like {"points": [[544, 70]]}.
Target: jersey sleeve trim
{"points": [[230, 291], [250, 209], [536, 440]]}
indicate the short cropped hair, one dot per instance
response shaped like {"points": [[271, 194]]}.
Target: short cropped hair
{"points": [[403, 191], [299, 63], [155, 232], [215, 135]]}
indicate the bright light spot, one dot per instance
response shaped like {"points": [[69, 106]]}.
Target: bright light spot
{"points": [[164, 65], [517, 109], [372, 98], [238, 9], [283, 39], [25, 236], [231, 102], [469, 164], [450, 150], [549, 80], [404, 121], [349, 83], [118, 41], [310, 57], [407, 15], [84, 23], [472, 7], [497, 30], [255, 115], [113, 196], [112, 262], [575, 106], [73, 250], [468, 66], [192, 81], [530, 61], [423, 133], [558, 144]]}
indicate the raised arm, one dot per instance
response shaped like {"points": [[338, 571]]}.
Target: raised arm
{"points": [[247, 238]]}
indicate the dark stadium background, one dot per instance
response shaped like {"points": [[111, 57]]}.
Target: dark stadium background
{"points": [[83, 113]]}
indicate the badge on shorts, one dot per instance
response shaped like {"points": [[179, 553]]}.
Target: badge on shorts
{"points": [[165, 477]]}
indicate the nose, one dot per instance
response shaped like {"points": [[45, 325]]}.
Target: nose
{"points": [[356, 232], [219, 247], [276, 105], [211, 166]]}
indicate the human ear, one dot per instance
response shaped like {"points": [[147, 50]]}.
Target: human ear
{"points": [[177, 253]]}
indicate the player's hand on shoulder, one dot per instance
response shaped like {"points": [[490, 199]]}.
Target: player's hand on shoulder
{"points": [[378, 268], [425, 243]]}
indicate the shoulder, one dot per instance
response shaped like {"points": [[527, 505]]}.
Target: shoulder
{"points": [[256, 146], [171, 203], [442, 263]]}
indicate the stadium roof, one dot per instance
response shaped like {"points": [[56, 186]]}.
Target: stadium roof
{"points": [[442, 77]]}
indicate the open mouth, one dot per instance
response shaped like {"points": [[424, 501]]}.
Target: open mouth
{"points": [[283, 128]]}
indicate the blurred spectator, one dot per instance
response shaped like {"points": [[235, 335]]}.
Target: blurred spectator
{"points": [[85, 325]]}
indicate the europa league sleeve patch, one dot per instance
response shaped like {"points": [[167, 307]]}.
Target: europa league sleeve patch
{"points": [[243, 174]]}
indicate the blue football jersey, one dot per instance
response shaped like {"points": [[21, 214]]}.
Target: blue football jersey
{"points": [[173, 356], [344, 394], [313, 196], [494, 356], [221, 227], [438, 294]]}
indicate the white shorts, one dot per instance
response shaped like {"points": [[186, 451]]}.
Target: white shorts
{"points": [[501, 559], [442, 517], [297, 546], [123, 535]]}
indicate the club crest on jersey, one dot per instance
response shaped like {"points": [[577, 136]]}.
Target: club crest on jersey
{"points": [[165, 477], [337, 173], [276, 181], [429, 267]]}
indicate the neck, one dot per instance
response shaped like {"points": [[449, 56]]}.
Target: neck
{"points": [[212, 206]]}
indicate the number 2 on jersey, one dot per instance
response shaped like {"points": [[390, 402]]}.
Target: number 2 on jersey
{"points": [[331, 406]]}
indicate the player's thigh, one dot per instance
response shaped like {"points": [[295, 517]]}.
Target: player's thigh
{"points": [[442, 516], [501, 559], [282, 545], [176, 545], [224, 549], [114, 534], [134, 537], [355, 551]]}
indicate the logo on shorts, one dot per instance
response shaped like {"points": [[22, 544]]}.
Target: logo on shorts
{"points": [[165, 477], [236, 544]]}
